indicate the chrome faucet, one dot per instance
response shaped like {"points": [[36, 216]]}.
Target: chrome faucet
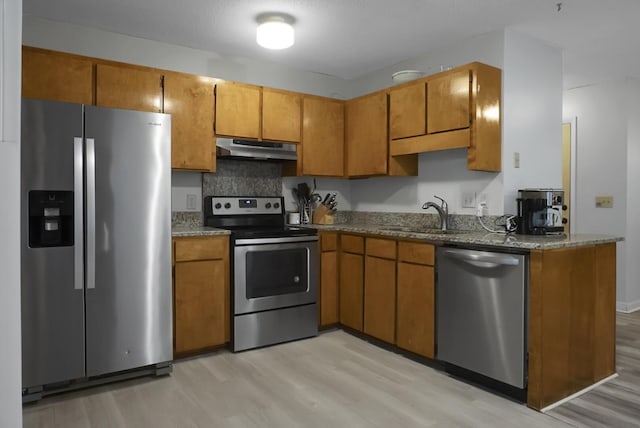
{"points": [[443, 211]]}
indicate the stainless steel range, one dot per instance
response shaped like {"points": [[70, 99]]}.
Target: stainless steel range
{"points": [[274, 271]]}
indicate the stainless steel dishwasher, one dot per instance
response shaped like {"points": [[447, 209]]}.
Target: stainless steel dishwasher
{"points": [[481, 307]]}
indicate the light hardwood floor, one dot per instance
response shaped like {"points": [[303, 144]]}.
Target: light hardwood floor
{"points": [[334, 380]]}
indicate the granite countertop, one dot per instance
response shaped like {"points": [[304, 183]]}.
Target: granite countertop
{"points": [[480, 238], [178, 231]]}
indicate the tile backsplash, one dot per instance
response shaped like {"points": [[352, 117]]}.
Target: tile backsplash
{"points": [[243, 178], [232, 178]]}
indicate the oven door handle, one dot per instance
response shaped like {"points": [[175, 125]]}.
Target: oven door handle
{"points": [[281, 240]]}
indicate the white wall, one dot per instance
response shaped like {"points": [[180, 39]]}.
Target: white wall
{"points": [[103, 44], [107, 45], [441, 173], [603, 118], [10, 357], [632, 286], [532, 79], [532, 115], [485, 48]]}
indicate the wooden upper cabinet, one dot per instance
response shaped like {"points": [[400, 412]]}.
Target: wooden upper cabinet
{"points": [[485, 148], [190, 101], [366, 135], [237, 110], [323, 137], [448, 102], [56, 76], [130, 88], [281, 115], [407, 111]]}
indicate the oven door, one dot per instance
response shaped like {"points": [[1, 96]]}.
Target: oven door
{"points": [[271, 273]]}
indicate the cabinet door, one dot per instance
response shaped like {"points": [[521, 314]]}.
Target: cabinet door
{"points": [[189, 99], [407, 111], [380, 298], [200, 312], [237, 110], [328, 288], [351, 289], [416, 309], [323, 137], [448, 102], [281, 115], [56, 76], [366, 135], [129, 88]]}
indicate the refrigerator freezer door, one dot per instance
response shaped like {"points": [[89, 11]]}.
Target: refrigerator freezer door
{"points": [[129, 312], [51, 286]]}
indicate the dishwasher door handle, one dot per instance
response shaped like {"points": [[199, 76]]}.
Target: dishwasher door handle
{"points": [[483, 260]]}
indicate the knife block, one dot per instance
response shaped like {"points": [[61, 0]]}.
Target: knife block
{"points": [[321, 215]]}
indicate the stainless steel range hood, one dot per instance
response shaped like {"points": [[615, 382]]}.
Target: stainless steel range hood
{"points": [[257, 150]]}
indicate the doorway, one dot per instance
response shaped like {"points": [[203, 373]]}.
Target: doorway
{"points": [[569, 156]]}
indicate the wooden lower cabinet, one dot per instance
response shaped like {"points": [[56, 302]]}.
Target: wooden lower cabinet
{"points": [[328, 298], [380, 288], [351, 281], [572, 321], [380, 298], [415, 324], [201, 294]]}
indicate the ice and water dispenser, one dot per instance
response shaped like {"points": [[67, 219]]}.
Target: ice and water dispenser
{"points": [[50, 218]]}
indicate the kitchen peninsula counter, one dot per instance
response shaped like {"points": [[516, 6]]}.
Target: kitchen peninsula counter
{"points": [[571, 302], [474, 238]]}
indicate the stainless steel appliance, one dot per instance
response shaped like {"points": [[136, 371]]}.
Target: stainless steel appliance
{"points": [[481, 306], [96, 244], [266, 150], [540, 212], [274, 271]]}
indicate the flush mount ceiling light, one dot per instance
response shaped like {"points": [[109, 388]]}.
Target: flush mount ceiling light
{"points": [[275, 31]]}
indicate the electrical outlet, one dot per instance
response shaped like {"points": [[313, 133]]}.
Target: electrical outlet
{"points": [[191, 202], [468, 200], [516, 159], [604, 201]]}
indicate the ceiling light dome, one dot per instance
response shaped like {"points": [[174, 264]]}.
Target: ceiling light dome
{"points": [[275, 31]]}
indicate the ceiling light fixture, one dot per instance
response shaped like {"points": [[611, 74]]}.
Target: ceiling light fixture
{"points": [[275, 31]]}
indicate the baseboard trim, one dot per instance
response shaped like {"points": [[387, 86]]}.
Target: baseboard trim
{"points": [[579, 393], [628, 307]]}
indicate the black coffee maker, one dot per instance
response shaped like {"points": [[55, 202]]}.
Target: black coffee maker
{"points": [[540, 212]]}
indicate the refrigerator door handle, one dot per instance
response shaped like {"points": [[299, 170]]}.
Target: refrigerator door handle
{"points": [[91, 214], [78, 213]]}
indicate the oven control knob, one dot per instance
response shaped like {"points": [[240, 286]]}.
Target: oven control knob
{"points": [[218, 205], [268, 205], [227, 205], [276, 205]]}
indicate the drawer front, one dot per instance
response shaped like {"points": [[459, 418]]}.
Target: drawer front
{"points": [[384, 248], [208, 248], [352, 244], [328, 241], [416, 252]]}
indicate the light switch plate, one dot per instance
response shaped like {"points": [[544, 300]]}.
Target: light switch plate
{"points": [[604, 201], [191, 202]]}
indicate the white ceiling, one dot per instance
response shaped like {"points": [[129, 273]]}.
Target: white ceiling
{"points": [[349, 38]]}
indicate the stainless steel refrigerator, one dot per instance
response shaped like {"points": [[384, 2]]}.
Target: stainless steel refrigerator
{"points": [[96, 242]]}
